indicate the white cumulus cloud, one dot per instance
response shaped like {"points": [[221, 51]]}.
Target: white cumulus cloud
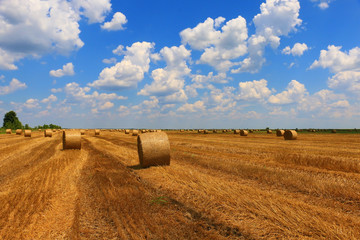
{"points": [[192, 107], [67, 70], [116, 22], [297, 50], [12, 87], [254, 90], [294, 92]]}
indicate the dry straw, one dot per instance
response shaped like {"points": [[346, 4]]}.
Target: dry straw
{"points": [[97, 131], [143, 131], [48, 133], [269, 131], [290, 135], [206, 131], [18, 131], [333, 131], [280, 133], [153, 149], [135, 132], [82, 132], [71, 140], [236, 131], [8, 131], [27, 133], [214, 131], [243, 133], [127, 131]]}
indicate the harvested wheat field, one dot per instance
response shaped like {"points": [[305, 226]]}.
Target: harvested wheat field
{"points": [[218, 186]]}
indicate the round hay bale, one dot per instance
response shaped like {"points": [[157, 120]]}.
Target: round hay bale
{"points": [[269, 131], [251, 130], [8, 131], [97, 131], [54, 130], [214, 131], [200, 131], [153, 149], [224, 131], [135, 132], [48, 133], [27, 133], [82, 132], [333, 131], [280, 133], [290, 135], [18, 131], [143, 131], [71, 140], [243, 133], [236, 131], [127, 131], [182, 130], [206, 131]]}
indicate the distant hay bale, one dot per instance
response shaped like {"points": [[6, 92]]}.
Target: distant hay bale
{"points": [[135, 132], [143, 131], [200, 131], [224, 130], [127, 131], [214, 131], [159, 130], [153, 149], [243, 133], [290, 135], [82, 132], [251, 131], [71, 140], [8, 131], [97, 131], [206, 131], [27, 133], [54, 130], [333, 131], [182, 130], [236, 131], [280, 133], [18, 131], [269, 131], [48, 133]]}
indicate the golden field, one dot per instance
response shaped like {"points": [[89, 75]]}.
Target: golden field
{"points": [[218, 186]]}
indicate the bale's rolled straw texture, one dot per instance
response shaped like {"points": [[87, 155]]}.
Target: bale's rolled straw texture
{"points": [[97, 131], [18, 131], [290, 135], [82, 132], [127, 131], [27, 133], [243, 133], [135, 132], [280, 133], [269, 131], [8, 131], [48, 133], [236, 131], [153, 149], [71, 140]]}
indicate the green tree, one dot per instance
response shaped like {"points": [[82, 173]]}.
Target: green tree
{"points": [[11, 121], [27, 126]]}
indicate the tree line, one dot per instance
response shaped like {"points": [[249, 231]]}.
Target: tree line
{"points": [[11, 121]]}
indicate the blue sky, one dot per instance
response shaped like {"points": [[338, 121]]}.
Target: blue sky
{"points": [[194, 64]]}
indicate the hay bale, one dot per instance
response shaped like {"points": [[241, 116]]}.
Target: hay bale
{"points": [[48, 133], [182, 130], [280, 133], [97, 131], [135, 132], [127, 131], [153, 149], [206, 131], [290, 135], [251, 130], [82, 132], [224, 131], [200, 131], [8, 131], [269, 131], [333, 131], [236, 131], [214, 131], [54, 130], [143, 131], [18, 131], [27, 133], [71, 140], [243, 133]]}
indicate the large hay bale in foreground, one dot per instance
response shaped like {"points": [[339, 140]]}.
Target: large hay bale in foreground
{"points": [[8, 131], [290, 135], [97, 131], [280, 133], [153, 149], [18, 131], [243, 133], [48, 133], [135, 132], [27, 133], [82, 132], [71, 140]]}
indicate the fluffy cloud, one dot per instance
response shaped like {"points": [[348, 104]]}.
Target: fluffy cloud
{"points": [[294, 92], [106, 105], [195, 107], [346, 80], [12, 87], [254, 90], [67, 70], [109, 60], [169, 80], [277, 18], [322, 4], [94, 10], [51, 98], [128, 72], [116, 22], [338, 61], [297, 50], [31, 103], [219, 46]]}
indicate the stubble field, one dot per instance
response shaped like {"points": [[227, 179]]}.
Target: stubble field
{"points": [[218, 186]]}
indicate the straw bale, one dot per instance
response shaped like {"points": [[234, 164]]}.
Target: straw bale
{"points": [[143, 131], [71, 140], [280, 133], [214, 131], [269, 131], [97, 131], [82, 132], [127, 131], [236, 131], [243, 133], [333, 131], [18, 131], [8, 131], [135, 132], [48, 133], [290, 135], [206, 131], [153, 149], [27, 133]]}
